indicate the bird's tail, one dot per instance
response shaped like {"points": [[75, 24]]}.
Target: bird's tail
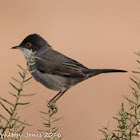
{"points": [[93, 72]]}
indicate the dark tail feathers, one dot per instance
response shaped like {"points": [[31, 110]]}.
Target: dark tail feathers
{"points": [[93, 72]]}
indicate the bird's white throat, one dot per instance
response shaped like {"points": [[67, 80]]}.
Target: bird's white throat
{"points": [[26, 52]]}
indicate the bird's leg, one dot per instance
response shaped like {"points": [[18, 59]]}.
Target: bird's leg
{"points": [[58, 96], [52, 102]]}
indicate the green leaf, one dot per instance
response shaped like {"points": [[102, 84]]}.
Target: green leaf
{"points": [[130, 100], [55, 120], [23, 122], [11, 109], [54, 131], [27, 83], [20, 67], [135, 94], [42, 130], [15, 122], [21, 75], [28, 94], [116, 118], [46, 124], [138, 61], [44, 118], [4, 118], [5, 108], [136, 77], [136, 72], [54, 128], [23, 107], [37, 57], [137, 53], [32, 63], [1, 127], [12, 94], [7, 101], [22, 129], [14, 116], [132, 88], [44, 112], [27, 79], [16, 80], [122, 107], [134, 81], [23, 103], [32, 71], [14, 86]]}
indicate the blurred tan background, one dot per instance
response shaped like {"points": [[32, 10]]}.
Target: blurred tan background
{"points": [[97, 33]]}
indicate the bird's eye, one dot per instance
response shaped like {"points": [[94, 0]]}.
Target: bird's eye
{"points": [[28, 45]]}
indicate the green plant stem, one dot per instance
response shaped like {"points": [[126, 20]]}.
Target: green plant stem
{"points": [[16, 103], [50, 121]]}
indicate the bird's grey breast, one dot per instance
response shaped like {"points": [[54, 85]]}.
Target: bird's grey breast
{"points": [[49, 80]]}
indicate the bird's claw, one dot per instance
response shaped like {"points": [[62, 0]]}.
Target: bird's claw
{"points": [[53, 107]]}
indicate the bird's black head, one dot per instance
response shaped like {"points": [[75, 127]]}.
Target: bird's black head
{"points": [[33, 42]]}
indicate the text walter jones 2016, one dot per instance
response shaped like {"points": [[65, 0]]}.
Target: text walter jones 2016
{"points": [[45, 134]]}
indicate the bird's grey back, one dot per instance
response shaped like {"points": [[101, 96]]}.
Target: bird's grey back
{"points": [[51, 60]]}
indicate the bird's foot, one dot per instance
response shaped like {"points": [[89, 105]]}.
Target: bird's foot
{"points": [[52, 107]]}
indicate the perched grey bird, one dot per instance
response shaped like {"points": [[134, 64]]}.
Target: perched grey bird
{"points": [[55, 70]]}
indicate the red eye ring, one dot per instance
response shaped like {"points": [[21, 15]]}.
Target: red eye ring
{"points": [[28, 45]]}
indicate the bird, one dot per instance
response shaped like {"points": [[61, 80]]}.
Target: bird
{"points": [[53, 69]]}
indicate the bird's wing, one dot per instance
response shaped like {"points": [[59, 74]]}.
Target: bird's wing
{"points": [[68, 69], [53, 62]]}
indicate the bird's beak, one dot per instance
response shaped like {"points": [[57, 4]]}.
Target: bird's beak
{"points": [[15, 47]]}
